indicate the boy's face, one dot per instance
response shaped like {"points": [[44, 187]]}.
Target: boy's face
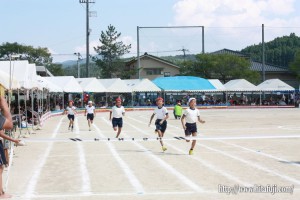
{"points": [[193, 103], [70, 103], [159, 103], [118, 103]]}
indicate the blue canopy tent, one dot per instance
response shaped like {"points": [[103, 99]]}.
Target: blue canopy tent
{"points": [[183, 83]]}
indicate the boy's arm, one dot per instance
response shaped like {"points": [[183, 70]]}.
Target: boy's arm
{"points": [[201, 121], [151, 118], [3, 135], [85, 112], [183, 121], [6, 118], [110, 115]]}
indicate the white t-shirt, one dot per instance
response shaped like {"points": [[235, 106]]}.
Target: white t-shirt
{"points": [[90, 110], [191, 116], [117, 112], [160, 112], [70, 110]]}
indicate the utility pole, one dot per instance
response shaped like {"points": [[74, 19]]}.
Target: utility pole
{"points": [[78, 65], [263, 53], [88, 31], [183, 50]]}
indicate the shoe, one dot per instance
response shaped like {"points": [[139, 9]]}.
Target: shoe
{"points": [[191, 152], [72, 128], [164, 148]]}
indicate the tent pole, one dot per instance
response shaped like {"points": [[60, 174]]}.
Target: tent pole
{"points": [[20, 118], [32, 108], [63, 98]]}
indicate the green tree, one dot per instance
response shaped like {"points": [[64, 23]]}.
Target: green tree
{"points": [[56, 69], [39, 55], [295, 65], [110, 52], [222, 66], [280, 51]]}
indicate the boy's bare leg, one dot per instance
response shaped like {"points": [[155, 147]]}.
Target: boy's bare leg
{"points": [[160, 134], [119, 131], [2, 194], [194, 141]]}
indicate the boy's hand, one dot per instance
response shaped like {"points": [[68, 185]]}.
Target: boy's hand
{"points": [[184, 127], [202, 121], [149, 124], [161, 122]]}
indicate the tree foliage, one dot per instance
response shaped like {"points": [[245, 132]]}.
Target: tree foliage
{"points": [[280, 51], [39, 55], [110, 52], [222, 66], [295, 65], [56, 69]]}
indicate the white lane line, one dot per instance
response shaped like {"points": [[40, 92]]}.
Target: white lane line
{"points": [[128, 172], [261, 153], [254, 165], [37, 171], [165, 165], [119, 194], [86, 184]]}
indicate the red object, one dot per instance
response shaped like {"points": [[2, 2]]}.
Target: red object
{"points": [[159, 98], [119, 99]]}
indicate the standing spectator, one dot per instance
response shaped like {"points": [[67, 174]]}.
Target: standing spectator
{"points": [[178, 110], [5, 123]]}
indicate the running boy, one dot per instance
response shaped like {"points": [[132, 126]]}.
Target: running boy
{"points": [[191, 116], [117, 112], [71, 114], [161, 113], [90, 110]]}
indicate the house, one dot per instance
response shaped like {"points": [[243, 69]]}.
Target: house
{"points": [[271, 71], [152, 67]]}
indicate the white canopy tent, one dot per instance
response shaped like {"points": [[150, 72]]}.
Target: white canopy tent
{"points": [[20, 70], [32, 76], [48, 85], [91, 85], [115, 85], [141, 85], [240, 85], [217, 84], [67, 83], [5, 81], [274, 85]]}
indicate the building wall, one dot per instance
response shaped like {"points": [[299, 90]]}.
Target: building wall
{"points": [[147, 64]]}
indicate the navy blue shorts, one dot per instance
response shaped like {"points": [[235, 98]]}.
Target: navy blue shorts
{"points": [[71, 117], [2, 155], [117, 122], [90, 116], [162, 127], [190, 128]]}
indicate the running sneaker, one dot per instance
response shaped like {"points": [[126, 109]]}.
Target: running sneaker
{"points": [[72, 128], [164, 148], [191, 152]]}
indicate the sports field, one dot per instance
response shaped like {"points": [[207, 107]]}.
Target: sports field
{"points": [[240, 148]]}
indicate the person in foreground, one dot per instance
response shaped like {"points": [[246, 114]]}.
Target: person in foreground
{"points": [[161, 113], [90, 110], [5, 123], [117, 112], [189, 122], [71, 114]]}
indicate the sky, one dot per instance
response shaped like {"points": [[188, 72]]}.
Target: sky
{"points": [[59, 25]]}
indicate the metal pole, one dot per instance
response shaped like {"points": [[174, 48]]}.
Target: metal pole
{"points": [[87, 39], [138, 53], [202, 39], [78, 68], [20, 116], [263, 53]]}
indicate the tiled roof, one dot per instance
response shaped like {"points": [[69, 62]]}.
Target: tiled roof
{"points": [[257, 66]]}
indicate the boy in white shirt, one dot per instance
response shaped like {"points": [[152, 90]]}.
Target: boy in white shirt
{"points": [[117, 112], [90, 110], [189, 120], [161, 113], [71, 114]]}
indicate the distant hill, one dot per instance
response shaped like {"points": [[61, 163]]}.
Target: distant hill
{"points": [[279, 52]]}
